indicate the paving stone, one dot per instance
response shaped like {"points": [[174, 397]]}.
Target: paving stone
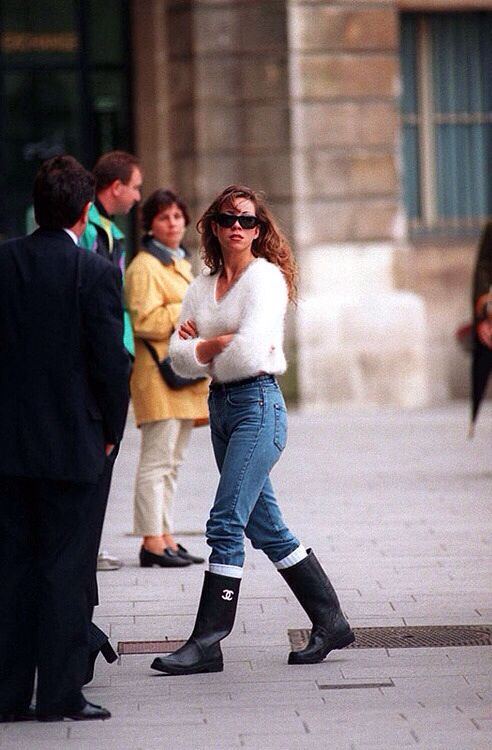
{"points": [[375, 621], [367, 727], [164, 607], [311, 741], [400, 545]]}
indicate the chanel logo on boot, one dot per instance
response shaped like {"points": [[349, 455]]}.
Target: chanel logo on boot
{"points": [[227, 594]]}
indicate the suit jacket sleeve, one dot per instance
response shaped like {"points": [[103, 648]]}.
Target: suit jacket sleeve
{"points": [[107, 359]]}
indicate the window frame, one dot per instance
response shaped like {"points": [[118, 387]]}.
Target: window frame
{"points": [[425, 118]]}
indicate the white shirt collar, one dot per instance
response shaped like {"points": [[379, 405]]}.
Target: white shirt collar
{"points": [[72, 235]]}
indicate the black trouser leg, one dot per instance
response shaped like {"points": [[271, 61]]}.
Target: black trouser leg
{"points": [[18, 587], [65, 557], [96, 522], [97, 637]]}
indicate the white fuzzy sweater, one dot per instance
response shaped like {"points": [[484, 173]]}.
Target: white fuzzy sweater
{"points": [[253, 309]]}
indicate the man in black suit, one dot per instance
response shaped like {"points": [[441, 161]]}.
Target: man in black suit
{"points": [[63, 404]]}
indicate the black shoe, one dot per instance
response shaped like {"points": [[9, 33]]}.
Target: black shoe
{"points": [[89, 712], [109, 654], [214, 621], [318, 598], [185, 555], [168, 559]]}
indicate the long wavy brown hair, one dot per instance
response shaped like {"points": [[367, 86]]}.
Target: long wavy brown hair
{"points": [[270, 244]]}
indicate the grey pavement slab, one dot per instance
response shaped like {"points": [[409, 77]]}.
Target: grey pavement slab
{"points": [[398, 509]]}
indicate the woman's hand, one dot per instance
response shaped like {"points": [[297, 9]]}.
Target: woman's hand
{"points": [[484, 332], [188, 330], [207, 349], [224, 340]]}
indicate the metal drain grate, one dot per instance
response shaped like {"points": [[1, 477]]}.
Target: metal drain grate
{"points": [[418, 636], [148, 647]]}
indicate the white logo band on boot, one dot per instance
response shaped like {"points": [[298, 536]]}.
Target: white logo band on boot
{"points": [[295, 557], [233, 571]]}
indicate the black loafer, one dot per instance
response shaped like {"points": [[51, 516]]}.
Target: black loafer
{"points": [[168, 559], [185, 555], [90, 712]]}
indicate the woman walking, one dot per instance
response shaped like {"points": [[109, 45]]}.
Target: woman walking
{"points": [[156, 282], [232, 329]]}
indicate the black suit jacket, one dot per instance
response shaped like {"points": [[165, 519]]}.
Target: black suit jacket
{"points": [[63, 367]]}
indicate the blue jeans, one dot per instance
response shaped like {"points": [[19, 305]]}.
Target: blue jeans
{"points": [[248, 422]]}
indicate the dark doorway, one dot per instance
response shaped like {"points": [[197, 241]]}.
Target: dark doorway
{"points": [[64, 88]]}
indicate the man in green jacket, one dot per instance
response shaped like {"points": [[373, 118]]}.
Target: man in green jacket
{"points": [[118, 183]]}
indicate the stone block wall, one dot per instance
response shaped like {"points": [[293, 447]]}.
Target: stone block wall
{"points": [[300, 98], [368, 339], [229, 114], [150, 86], [360, 340], [441, 273], [225, 82], [344, 87]]}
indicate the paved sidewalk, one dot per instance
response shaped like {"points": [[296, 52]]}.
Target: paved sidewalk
{"points": [[397, 508]]}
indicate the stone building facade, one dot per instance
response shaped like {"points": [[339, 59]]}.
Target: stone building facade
{"points": [[301, 98], [309, 101]]}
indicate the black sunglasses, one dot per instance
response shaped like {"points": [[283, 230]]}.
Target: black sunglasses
{"points": [[246, 221]]}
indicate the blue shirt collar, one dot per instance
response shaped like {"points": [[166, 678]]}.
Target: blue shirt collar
{"points": [[165, 254]]}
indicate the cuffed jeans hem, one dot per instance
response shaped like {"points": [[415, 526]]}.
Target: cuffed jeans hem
{"points": [[232, 571], [295, 557]]}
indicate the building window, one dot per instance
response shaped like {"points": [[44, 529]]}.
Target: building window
{"points": [[446, 110]]}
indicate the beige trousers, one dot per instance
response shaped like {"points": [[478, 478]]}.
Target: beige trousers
{"points": [[162, 450]]}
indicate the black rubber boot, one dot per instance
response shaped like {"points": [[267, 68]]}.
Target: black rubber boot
{"points": [[214, 621], [318, 598]]}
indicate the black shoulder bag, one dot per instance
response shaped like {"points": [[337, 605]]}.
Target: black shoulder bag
{"points": [[171, 378]]}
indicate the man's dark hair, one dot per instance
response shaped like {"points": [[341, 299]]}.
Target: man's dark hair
{"points": [[115, 165], [158, 201], [62, 188]]}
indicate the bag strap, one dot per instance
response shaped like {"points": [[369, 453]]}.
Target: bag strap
{"points": [[151, 351]]}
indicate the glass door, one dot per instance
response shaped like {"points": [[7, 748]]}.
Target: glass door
{"points": [[64, 88]]}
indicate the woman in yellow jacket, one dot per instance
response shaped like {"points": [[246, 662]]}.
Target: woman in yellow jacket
{"points": [[156, 282]]}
